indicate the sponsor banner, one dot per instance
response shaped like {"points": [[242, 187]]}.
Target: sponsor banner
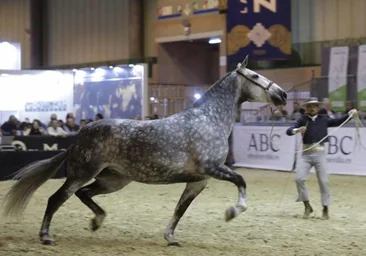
{"points": [[361, 77], [260, 28], [169, 9], [42, 143], [343, 157], [253, 148], [337, 81]]}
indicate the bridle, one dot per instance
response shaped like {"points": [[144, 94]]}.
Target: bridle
{"points": [[266, 88]]}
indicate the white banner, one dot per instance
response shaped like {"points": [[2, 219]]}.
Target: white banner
{"points": [[252, 147], [342, 155], [37, 94]]}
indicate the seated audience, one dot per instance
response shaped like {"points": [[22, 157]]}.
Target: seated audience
{"points": [[36, 128], [24, 129], [9, 128], [56, 130], [70, 127], [53, 117]]}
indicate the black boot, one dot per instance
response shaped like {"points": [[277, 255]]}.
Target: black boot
{"points": [[308, 209], [325, 213]]}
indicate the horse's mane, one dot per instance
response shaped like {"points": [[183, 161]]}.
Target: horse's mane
{"points": [[219, 83]]}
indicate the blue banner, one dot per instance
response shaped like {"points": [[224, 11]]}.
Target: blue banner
{"points": [[258, 28]]}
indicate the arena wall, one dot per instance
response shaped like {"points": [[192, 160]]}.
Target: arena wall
{"points": [[86, 31], [15, 22], [323, 20]]}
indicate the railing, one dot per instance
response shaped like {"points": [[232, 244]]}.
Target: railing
{"points": [[265, 111], [168, 99]]}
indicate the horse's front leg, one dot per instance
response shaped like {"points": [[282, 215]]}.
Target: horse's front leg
{"points": [[223, 172], [191, 191]]}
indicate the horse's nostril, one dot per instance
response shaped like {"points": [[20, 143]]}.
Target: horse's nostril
{"points": [[284, 95]]}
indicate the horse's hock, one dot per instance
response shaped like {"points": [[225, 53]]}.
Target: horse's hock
{"points": [[136, 218]]}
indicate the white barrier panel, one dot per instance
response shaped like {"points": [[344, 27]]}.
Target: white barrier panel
{"points": [[252, 147], [342, 155]]}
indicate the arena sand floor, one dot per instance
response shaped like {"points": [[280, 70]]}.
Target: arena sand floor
{"points": [[138, 214]]}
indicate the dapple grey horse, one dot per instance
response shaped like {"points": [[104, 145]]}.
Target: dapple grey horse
{"points": [[187, 147]]}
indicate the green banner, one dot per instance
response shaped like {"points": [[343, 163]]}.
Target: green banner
{"points": [[361, 78], [337, 77]]}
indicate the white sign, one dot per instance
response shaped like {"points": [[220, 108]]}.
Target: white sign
{"points": [[36, 94], [253, 147], [343, 157]]}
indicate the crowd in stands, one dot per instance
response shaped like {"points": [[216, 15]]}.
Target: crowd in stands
{"points": [[280, 114], [55, 127]]}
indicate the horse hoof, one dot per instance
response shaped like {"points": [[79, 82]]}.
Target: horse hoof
{"points": [[48, 241], [175, 243], [94, 225], [230, 213]]}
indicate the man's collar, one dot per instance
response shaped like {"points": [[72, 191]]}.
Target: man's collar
{"points": [[313, 117]]}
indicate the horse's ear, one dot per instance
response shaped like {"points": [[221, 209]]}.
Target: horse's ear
{"points": [[245, 62]]}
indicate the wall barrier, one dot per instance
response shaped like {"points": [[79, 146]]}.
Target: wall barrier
{"points": [[252, 148]]}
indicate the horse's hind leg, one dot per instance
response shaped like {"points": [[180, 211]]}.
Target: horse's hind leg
{"points": [[54, 203], [225, 173], [106, 182], [191, 191]]}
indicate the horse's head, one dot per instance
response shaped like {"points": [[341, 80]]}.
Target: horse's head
{"points": [[255, 87]]}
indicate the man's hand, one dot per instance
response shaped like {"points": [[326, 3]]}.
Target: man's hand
{"points": [[302, 129], [353, 112]]}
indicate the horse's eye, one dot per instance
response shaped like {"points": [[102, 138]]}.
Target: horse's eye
{"points": [[255, 76]]}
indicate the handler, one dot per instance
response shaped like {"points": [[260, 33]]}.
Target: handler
{"points": [[313, 128]]}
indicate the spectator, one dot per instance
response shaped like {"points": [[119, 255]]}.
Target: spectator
{"points": [[327, 109], [298, 111], [70, 115], [348, 106], [154, 117], [70, 127], [36, 128], [9, 128], [24, 129], [56, 130], [98, 117], [279, 114], [53, 117], [60, 123], [83, 123]]}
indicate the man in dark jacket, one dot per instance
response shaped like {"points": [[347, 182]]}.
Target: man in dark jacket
{"points": [[314, 128]]}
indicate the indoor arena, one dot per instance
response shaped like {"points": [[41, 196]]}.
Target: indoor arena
{"points": [[165, 127]]}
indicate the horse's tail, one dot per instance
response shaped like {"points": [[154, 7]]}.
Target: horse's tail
{"points": [[30, 178]]}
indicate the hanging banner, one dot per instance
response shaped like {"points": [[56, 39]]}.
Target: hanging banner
{"points": [[260, 28], [337, 77], [361, 78]]}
